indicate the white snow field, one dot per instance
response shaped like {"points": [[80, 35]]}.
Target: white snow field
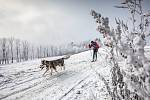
{"points": [[24, 81]]}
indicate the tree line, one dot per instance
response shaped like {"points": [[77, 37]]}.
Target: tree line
{"points": [[15, 50]]}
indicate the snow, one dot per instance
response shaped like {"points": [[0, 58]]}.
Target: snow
{"points": [[24, 81]]}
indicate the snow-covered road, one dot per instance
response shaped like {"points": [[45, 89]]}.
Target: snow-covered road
{"points": [[24, 81]]}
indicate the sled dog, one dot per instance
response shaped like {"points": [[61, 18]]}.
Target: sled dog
{"points": [[50, 65]]}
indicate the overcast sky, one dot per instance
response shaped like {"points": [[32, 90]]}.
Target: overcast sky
{"points": [[55, 21]]}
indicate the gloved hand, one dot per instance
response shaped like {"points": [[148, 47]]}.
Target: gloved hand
{"points": [[89, 46]]}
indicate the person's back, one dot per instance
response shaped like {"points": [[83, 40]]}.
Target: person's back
{"points": [[94, 45]]}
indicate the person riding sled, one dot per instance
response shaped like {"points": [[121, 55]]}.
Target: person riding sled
{"points": [[95, 47]]}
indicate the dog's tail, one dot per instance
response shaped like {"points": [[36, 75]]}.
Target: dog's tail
{"points": [[66, 57]]}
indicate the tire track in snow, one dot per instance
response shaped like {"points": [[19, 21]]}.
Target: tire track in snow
{"points": [[42, 87], [72, 88], [52, 82], [9, 80], [18, 83], [29, 87], [15, 92], [46, 86]]}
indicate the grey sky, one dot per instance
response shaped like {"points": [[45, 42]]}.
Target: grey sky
{"points": [[55, 21]]}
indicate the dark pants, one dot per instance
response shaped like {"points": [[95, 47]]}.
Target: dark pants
{"points": [[95, 54]]}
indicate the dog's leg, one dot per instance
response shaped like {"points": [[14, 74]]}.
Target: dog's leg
{"points": [[62, 64], [62, 67], [46, 71], [41, 67], [54, 67], [51, 70]]}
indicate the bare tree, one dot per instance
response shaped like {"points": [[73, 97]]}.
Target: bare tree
{"points": [[0, 51], [11, 43], [25, 52], [32, 52], [47, 52], [52, 51], [38, 52], [44, 52], [17, 41], [3, 50]]}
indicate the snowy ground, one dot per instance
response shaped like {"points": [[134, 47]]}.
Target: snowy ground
{"points": [[24, 81]]}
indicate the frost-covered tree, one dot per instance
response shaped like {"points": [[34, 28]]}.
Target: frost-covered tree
{"points": [[130, 81]]}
